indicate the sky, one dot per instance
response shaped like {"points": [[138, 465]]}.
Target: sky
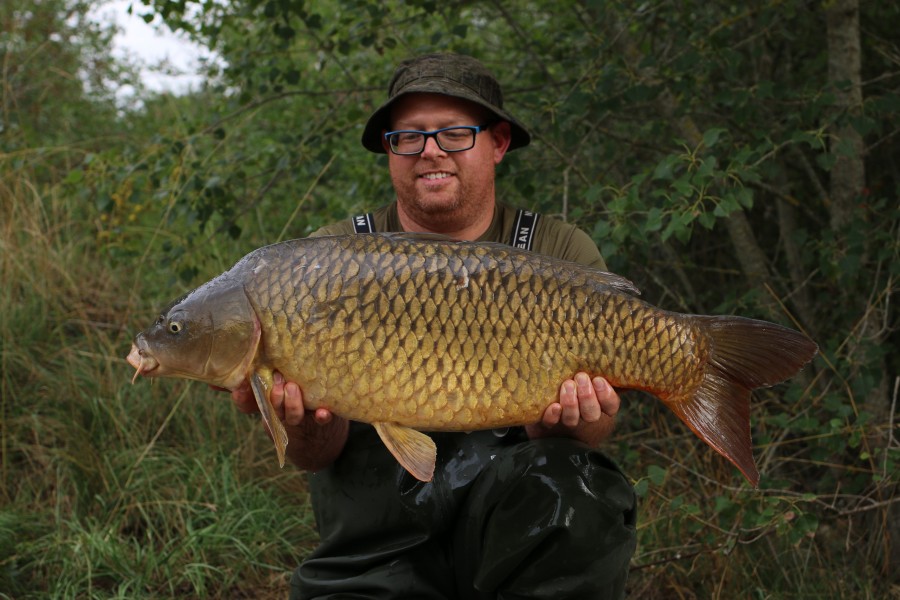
{"points": [[151, 45]]}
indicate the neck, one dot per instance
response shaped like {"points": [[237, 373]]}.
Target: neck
{"points": [[460, 228]]}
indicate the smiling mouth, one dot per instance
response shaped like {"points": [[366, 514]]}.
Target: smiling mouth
{"points": [[436, 176]]}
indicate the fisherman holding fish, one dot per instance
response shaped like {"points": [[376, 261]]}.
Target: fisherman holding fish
{"points": [[401, 337], [533, 512]]}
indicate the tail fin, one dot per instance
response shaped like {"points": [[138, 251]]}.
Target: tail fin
{"points": [[746, 354]]}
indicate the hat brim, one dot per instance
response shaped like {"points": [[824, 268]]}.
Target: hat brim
{"points": [[379, 122]]}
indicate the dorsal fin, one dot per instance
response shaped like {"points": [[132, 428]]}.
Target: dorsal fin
{"points": [[424, 236], [617, 282]]}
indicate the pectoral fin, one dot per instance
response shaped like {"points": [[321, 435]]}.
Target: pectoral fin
{"points": [[414, 450], [261, 382]]}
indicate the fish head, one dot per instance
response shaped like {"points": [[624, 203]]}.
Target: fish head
{"points": [[210, 335]]}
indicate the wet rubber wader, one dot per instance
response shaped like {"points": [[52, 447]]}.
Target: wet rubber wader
{"points": [[504, 517]]}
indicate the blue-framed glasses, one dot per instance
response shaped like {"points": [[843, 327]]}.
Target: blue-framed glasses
{"points": [[408, 142]]}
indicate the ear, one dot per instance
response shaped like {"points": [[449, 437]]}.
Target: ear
{"points": [[502, 136], [384, 142]]}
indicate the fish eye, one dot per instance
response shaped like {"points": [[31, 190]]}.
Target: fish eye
{"points": [[175, 327]]}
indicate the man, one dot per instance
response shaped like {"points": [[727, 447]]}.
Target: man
{"points": [[533, 512]]}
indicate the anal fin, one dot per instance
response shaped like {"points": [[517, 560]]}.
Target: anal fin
{"points": [[261, 382], [414, 450]]}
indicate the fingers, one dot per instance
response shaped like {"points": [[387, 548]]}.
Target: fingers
{"points": [[323, 416], [582, 399], [607, 397], [569, 404], [577, 402], [293, 404], [287, 398], [552, 414], [276, 396], [588, 405]]}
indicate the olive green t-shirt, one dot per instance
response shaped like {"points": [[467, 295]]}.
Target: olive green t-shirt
{"points": [[552, 237]]}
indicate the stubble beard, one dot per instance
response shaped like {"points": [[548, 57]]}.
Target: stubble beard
{"points": [[443, 213]]}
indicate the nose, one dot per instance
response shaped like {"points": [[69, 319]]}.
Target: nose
{"points": [[431, 148]]}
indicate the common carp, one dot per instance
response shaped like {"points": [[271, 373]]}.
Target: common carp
{"points": [[416, 332]]}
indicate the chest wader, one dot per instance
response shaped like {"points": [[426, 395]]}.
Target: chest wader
{"points": [[504, 517]]}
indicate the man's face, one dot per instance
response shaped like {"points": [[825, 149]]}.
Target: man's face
{"points": [[446, 191]]}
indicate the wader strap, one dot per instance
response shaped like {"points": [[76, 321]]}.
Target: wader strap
{"points": [[364, 223], [523, 230]]}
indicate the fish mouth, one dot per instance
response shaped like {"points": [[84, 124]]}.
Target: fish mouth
{"points": [[142, 361]]}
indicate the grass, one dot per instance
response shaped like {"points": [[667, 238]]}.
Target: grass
{"points": [[165, 491], [112, 490]]}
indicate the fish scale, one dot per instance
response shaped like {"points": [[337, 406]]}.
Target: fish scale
{"points": [[413, 332]]}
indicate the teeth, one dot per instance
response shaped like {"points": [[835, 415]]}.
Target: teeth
{"points": [[435, 175]]}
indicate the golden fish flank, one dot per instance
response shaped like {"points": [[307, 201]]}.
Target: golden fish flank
{"points": [[416, 332]]}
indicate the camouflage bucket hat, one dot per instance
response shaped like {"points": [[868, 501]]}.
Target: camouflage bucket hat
{"points": [[448, 74]]}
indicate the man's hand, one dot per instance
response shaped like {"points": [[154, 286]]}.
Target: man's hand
{"points": [[287, 400], [315, 438], [585, 411]]}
